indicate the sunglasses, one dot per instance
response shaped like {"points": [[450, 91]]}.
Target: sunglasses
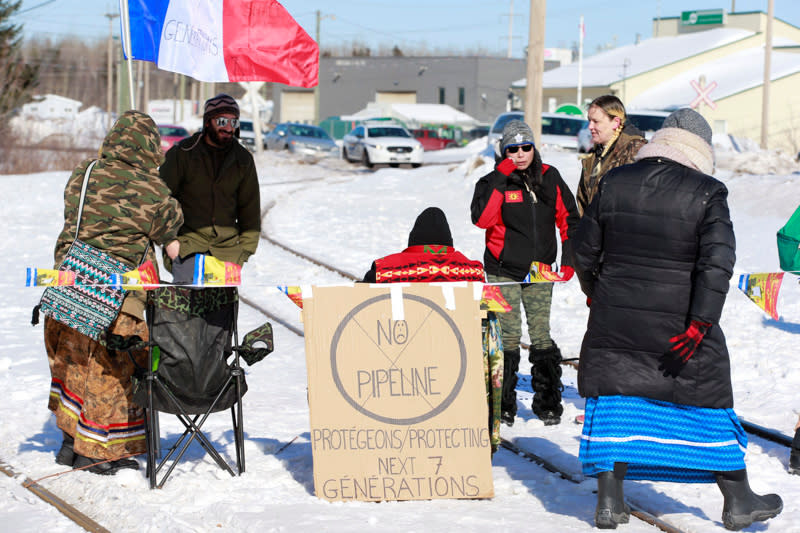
{"points": [[525, 148], [223, 121]]}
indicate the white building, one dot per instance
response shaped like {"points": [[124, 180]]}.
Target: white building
{"points": [[51, 106]]}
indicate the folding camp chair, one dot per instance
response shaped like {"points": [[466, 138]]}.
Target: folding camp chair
{"points": [[189, 373]]}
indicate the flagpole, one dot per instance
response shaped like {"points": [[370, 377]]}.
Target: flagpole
{"points": [[126, 38]]}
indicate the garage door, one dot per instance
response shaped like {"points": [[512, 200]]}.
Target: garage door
{"points": [[405, 97], [297, 107]]}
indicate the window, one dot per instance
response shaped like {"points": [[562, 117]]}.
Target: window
{"points": [[461, 96], [441, 95]]}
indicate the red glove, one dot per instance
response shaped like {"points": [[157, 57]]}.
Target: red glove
{"points": [[506, 167], [588, 302], [683, 348]]}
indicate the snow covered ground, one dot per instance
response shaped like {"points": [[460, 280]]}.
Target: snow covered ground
{"points": [[347, 216]]}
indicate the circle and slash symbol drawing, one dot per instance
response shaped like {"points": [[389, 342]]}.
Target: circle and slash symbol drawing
{"points": [[412, 370]]}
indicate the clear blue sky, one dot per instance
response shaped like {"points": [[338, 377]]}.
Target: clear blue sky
{"points": [[437, 24]]}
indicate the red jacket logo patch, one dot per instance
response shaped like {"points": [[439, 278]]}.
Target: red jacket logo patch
{"points": [[513, 196]]}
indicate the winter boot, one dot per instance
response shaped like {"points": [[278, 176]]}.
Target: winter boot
{"points": [[546, 383], [794, 456], [621, 512], [508, 405], [611, 507], [103, 467], [606, 501], [742, 506], [66, 455]]}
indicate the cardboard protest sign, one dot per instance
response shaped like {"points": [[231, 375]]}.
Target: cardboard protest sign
{"points": [[396, 392]]}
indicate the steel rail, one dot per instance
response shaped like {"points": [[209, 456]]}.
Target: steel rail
{"points": [[637, 510]]}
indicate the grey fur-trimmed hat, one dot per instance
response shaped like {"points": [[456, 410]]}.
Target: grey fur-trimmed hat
{"points": [[690, 120], [515, 132]]}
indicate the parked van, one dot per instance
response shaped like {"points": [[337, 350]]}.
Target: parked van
{"points": [[558, 129]]}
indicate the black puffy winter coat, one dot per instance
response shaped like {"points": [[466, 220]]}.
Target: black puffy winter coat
{"points": [[654, 250]]}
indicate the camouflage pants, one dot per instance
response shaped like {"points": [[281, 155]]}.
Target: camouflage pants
{"points": [[536, 299], [493, 374], [91, 389]]}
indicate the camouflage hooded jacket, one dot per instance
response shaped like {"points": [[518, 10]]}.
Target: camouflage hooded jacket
{"points": [[126, 205]]}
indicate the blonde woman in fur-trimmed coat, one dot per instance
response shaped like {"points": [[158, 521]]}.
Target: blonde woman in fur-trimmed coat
{"points": [[616, 142]]}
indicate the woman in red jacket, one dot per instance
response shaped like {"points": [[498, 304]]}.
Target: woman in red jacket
{"points": [[522, 204]]}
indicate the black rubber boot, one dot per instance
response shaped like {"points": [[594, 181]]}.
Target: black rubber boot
{"points": [[103, 467], [508, 405], [794, 455], [546, 383], [66, 455], [621, 512], [742, 506], [606, 501]]}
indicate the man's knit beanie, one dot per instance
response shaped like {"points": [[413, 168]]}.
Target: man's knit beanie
{"points": [[691, 121], [431, 227], [222, 103], [515, 133]]}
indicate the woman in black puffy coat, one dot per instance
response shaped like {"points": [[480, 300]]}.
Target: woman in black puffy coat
{"points": [[654, 253]]}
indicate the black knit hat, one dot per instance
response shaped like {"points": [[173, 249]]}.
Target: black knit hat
{"points": [[222, 103], [431, 227]]}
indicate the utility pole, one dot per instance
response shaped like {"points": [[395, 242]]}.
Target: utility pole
{"points": [[510, 27], [139, 72], [109, 70], [767, 76], [181, 94], [320, 16], [535, 68]]}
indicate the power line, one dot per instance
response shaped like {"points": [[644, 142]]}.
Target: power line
{"points": [[34, 7]]}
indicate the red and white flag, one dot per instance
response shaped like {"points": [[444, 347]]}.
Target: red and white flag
{"points": [[222, 40]]}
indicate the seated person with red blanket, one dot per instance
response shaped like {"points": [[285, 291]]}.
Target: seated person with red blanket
{"points": [[430, 256]]}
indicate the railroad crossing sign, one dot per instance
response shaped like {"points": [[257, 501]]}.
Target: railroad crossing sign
{"points": [[703, 92]]}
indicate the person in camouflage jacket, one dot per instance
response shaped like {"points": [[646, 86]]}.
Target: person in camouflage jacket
{"points": [[616, 142], [126, 207]]}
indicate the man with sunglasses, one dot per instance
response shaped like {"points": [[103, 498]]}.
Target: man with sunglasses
{"points": [[214, 178], [521, 204]]}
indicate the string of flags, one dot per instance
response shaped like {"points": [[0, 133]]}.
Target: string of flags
{"points": [[208, 272], [762, 289]]}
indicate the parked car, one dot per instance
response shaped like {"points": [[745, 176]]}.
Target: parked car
{"points": [[647, 121], [477, 132], [561, 130], [430, 139], [301, 139], [496, 131], [247, 134], [170, 134], [558, 129], [382, 143]]}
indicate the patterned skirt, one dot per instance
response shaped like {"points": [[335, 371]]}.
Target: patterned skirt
{"points": [[660, 441]]}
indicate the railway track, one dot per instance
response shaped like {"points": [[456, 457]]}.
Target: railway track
{"points": [[637, 510]]}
